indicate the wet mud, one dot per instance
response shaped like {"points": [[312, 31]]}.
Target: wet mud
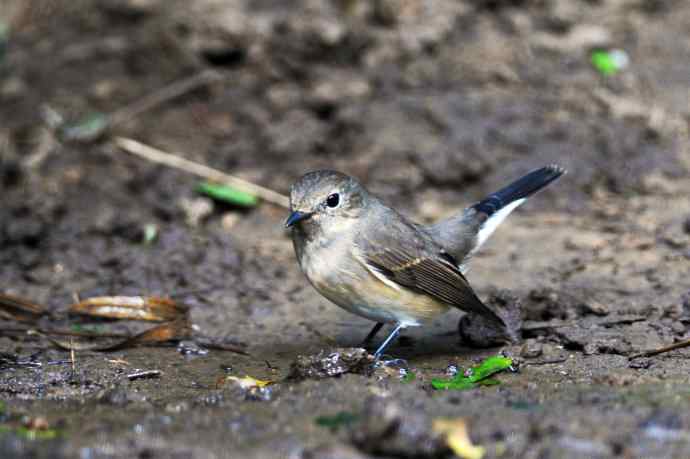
{"points": [[432, 106]]}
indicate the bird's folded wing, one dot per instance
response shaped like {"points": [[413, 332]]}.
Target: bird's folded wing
{"points": [[435, 275]]}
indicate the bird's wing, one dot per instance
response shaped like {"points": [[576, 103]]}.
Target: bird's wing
{"points": [[419, 264]]}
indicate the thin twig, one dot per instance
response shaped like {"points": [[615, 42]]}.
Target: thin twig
{"points": [[201, 170], [73, 355], [163, 95], [146, 374], [661, 350]]}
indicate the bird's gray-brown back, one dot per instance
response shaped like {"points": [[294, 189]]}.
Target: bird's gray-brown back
{"points": [[407, 255]]}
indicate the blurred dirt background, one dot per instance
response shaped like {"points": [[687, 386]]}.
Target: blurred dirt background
{"points": [[432, 105]]}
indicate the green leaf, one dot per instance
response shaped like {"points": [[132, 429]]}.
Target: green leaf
{"points": [[609, 62], [488, 367], [86, 130], [476, 376], [150, 233], [227, 194], [457, 383], [340, 419]]}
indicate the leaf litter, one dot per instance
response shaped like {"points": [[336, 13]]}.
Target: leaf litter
{"points": [[19, 309], [174, 317]]}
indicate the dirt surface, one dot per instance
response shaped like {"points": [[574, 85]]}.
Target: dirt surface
{"points": [[432, 105]]}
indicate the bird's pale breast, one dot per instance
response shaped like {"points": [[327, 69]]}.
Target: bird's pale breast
{"points": [[337, 272]]}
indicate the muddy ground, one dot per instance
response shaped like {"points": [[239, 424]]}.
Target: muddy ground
{"points": [[432, 105]]}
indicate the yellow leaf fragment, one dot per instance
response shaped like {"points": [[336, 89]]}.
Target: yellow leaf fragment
{"points": [[248, 382], [457, 438]]}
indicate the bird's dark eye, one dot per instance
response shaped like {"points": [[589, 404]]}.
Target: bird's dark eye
{"points": [[333, 200]]}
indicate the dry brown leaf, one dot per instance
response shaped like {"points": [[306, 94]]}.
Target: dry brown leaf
{"points": [[15, 308], [173, 330], [151, 308]]}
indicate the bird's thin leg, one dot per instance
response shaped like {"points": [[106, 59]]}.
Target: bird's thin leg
{"points": [[390, 338], [372, 333]]}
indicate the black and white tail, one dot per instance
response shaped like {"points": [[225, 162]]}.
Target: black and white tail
{"points": [[501, 203]]}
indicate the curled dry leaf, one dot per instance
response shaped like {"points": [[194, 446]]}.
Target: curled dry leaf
{"points": [[151, 308], [15, 308], [173, 330], [457, 438]]}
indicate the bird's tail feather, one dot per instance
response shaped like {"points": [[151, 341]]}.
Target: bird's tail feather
{"points": [[463, 234], [520, 189], [501, 203]]}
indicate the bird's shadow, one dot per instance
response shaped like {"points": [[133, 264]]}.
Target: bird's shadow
{"points": [[438, 339]]}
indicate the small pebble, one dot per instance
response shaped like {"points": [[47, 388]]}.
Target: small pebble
{"points": [[531, 349], [640, 364], [196, 210], [190, 348]]}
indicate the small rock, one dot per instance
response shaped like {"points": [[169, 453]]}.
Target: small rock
{"points": [[229, 220], [12, 88], [678, 328], [196, 210], [118, 395], [640, 363], [387, 12], [11, 171], [332, 362], [579, 38], [531, 349], [544, 304], [676, 238], [686, 225], [674, 311], [338, 88], [548, 304], [388, 429], [190, 348], [177, 407], [593, 340]]}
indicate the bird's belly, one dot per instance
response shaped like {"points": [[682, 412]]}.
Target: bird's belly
{"points": [[350, 286]]}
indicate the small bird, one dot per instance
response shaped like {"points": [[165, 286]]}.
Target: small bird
{"points": [[374, 262]]}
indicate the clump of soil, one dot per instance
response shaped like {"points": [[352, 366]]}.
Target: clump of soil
{"points": [[328, 363]]}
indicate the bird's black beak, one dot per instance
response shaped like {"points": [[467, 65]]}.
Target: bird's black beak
{"points": [[296, 217]]}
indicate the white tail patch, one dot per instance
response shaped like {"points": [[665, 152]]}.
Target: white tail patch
{"points": [[490, 225]]}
